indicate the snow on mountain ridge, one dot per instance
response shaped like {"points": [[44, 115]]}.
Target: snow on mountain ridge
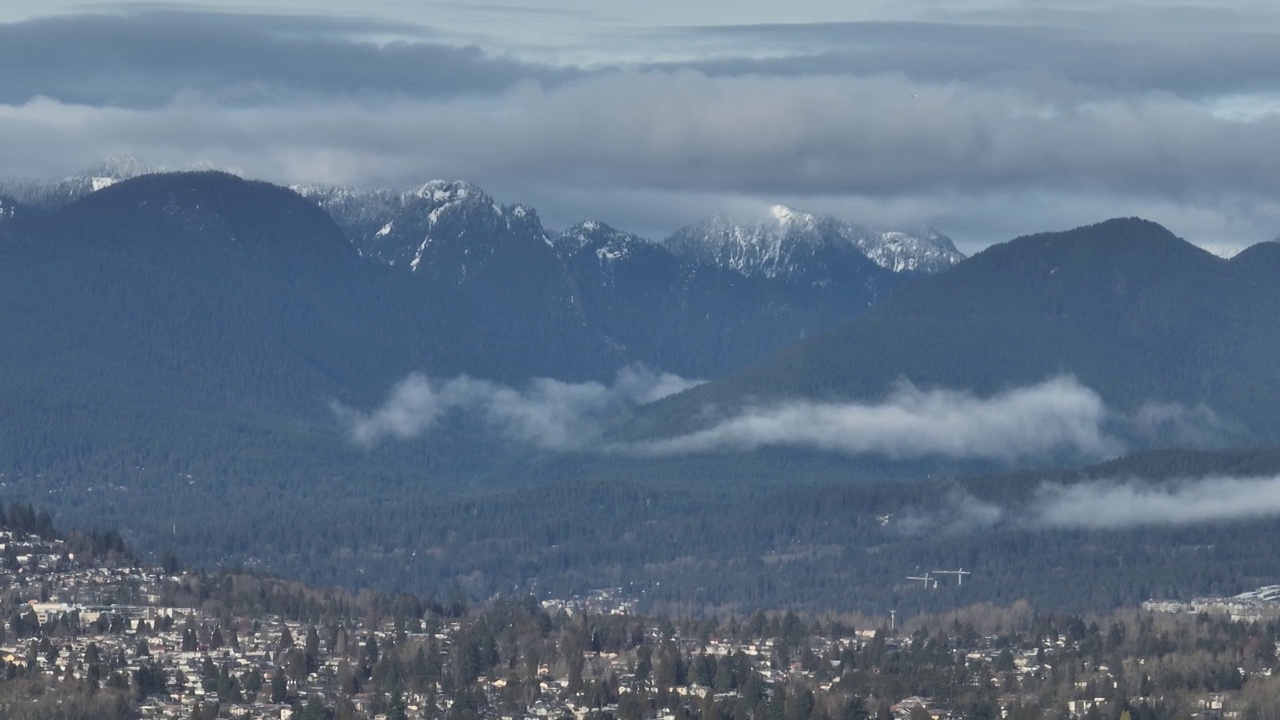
{"points": [[121, 167], [926, 250], [449, 191], [50, 194], [446, 229], [794, 241], [610, 244], [784, 214], [399, 227], [1224, 251], [396, 227], [794, 220]]}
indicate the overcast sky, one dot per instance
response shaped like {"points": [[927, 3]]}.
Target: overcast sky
{"points": [[986, 119]]}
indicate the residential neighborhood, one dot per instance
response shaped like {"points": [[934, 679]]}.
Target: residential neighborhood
{"points": [[137, 641]]}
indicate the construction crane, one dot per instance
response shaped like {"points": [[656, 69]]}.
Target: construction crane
{"points": [[958, 573], [925, 579]]}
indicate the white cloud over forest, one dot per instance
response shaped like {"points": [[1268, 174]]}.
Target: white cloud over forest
{"points": [[1057, 417]]}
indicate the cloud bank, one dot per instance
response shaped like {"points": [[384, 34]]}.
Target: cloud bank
{"points": [[548, 414], [869, 136], [1058, 417], [985, 126], [1109, 504], [1135, 503], [147, 59]]}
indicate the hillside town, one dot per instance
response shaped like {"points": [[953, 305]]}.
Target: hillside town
{"points": [[122, 639], [1253, 606]]}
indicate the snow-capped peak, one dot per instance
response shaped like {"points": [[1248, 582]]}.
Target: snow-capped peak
{"points": [[922, 250], [789, 243], [608, 245], [589, 233], [117, 167], [789, 216], [451, 191]]}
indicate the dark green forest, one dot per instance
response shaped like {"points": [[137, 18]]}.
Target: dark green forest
{"points": [[170, 348], [817, 541]]}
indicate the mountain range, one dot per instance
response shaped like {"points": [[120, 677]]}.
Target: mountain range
{"points": [[1125, 307], [801, 246], [178, 348], [665, 304], [188, 308], [589, 310]]}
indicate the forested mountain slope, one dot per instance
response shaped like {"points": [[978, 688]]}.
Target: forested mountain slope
{"points": [[1124, 306]]}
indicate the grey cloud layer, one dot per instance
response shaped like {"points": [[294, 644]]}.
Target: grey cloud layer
{"points": [[984, 130], [1189, 61], [147, 59], [877, 136]]}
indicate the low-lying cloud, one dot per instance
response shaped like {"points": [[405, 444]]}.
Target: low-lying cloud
{"points": [[549, 414], [1054, 416], [1108, 504], [1059, 417], [1176, 425]]}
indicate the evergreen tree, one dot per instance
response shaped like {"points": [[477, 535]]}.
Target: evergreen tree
{"points": [[279, 686]]}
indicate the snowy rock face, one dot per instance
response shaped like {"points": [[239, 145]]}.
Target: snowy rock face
{"points": [[8, 208], [446, 230], [52, 194], [607, 245], [753, 288], [792, 244], [924, 251], [415, 229], [601, 258], [452, 237]]}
